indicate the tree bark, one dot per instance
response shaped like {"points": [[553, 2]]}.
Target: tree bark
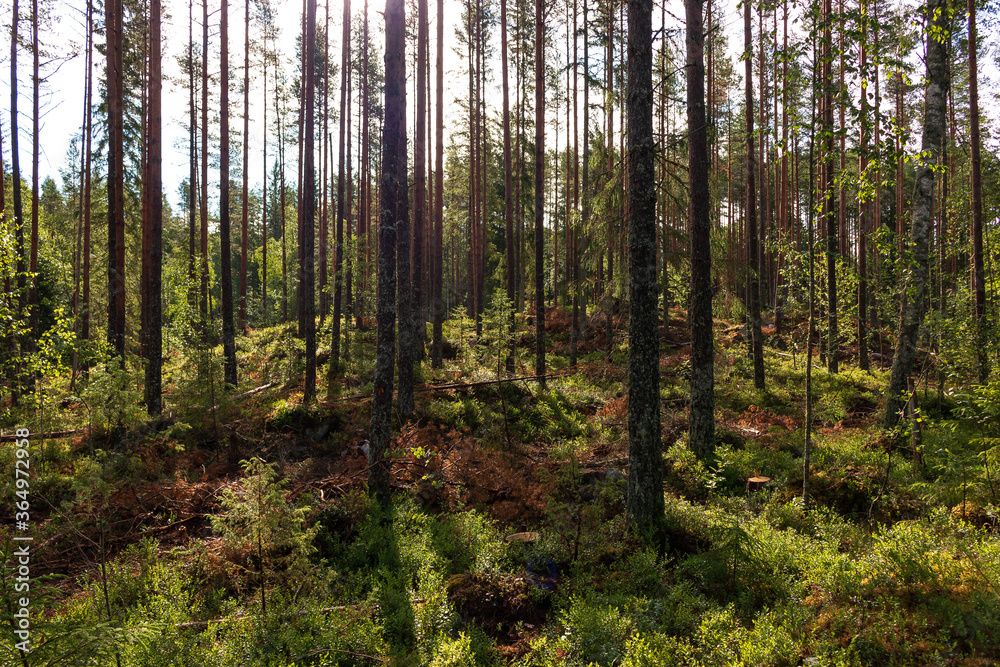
{"points": [[404, 284], [645, 480], [829, 200], [225, 249], [204, 169], [309, 207], [864, 205], [935, 100], [193, 166], [417, 327], [978, 270], [392, 205], [16, 196], [116, 212], [245, 221], [701, 438], [338, 269], [757, 338], [540, 191], [154, 335], [263, 191], [324, 218], [34, 332], [87, 182], [508, 185], [438, 247]]}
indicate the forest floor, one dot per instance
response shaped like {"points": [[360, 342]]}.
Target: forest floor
{"points": [[236, 530]]}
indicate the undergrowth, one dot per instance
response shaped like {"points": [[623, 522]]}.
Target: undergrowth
{"points": [[238, 531]]}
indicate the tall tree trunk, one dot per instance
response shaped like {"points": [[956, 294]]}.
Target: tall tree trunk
{"points": [[325, 142], [309, 207], [87, 183], [300, 302], [419, 188], [645, 480], [481, 172], [283, 203], [829, 199], [338, 269], [783, 213], [438, 252], [144, 194], [811, 330], [204, 169], [873, 322], [863, 204], [508, 185], [154, 335], [225, 249], [577, 229], [978, 271], [585, 208], [404, 285], [16, 196], [34, 333], [263, 207], [935, 100], [365, 243], [901, 136], [193, 166], [392, 212], [752, 234], [348, 275], [540, 191], [702, 424], [245, 221], [116, 212]]}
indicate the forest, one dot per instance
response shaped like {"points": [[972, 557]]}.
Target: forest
{"points": [[530, 333]]}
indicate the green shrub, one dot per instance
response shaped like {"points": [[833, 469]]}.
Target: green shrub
{"points": [[684, 472], [453, 652], [595, 631]]}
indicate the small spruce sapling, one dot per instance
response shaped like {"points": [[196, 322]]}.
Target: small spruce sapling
{"points": [[499, 338], [260, 521]]}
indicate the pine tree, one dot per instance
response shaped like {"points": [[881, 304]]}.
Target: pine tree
{"points": [[392, 211], [226, 259], [645, 481], [309, 207], [701, 438], [154, 319], [540, 190]]}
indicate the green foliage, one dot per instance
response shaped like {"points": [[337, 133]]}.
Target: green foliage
{"points": [[286, 355], [689, 476], [471, 542], [594, 631], [454, 652], [259, 525], [113, 395], [498, 331]]}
